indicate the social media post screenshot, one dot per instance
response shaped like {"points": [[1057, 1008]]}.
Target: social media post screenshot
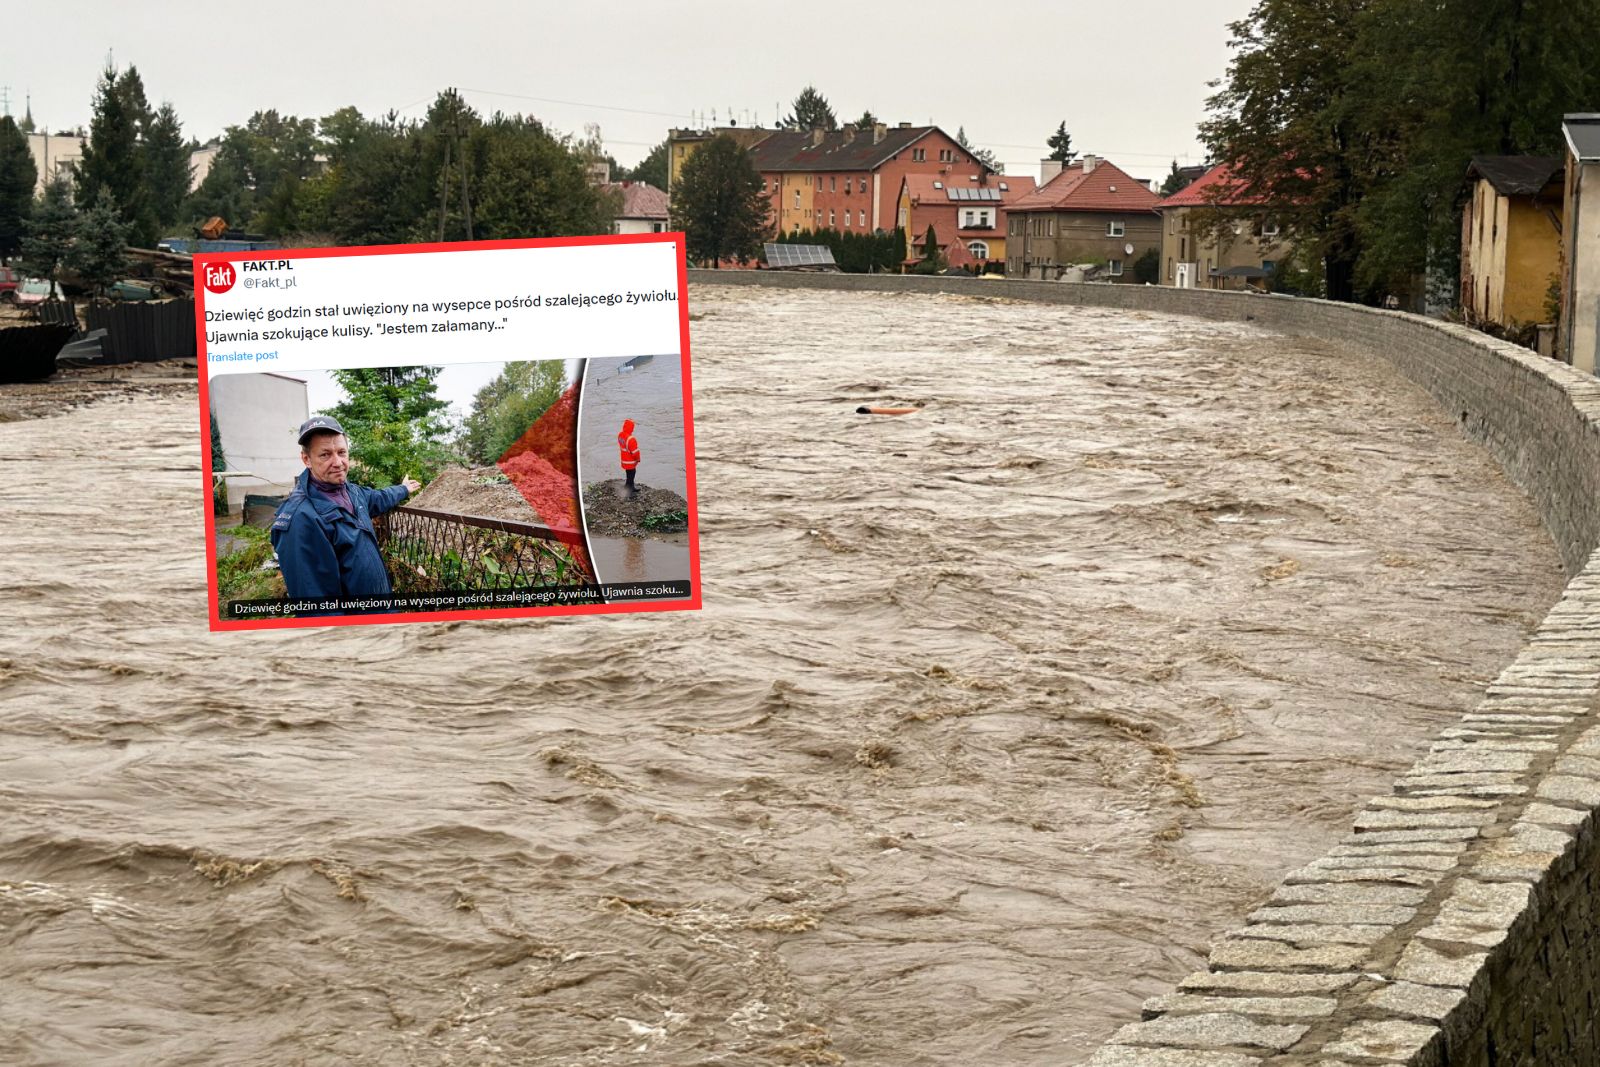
{"points": [[426, 432]]}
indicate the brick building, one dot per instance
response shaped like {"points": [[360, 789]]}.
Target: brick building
{"points": [[1091, 213]]}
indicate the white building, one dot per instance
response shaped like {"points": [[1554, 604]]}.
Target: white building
{"points": [[54, 153], [1579, 341], [257, 417], [644, 208]]}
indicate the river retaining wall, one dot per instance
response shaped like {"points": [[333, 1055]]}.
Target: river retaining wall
{"points": [[1459, 922]]}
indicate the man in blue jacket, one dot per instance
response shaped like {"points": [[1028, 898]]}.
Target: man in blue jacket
{"points": [[323, 532]]}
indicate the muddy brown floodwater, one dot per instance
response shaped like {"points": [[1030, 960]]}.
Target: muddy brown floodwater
{"points": [[996, 714]]}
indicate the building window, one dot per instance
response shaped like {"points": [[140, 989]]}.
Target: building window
{"points": [[1114, 268], [862, 182], [861, 218], [918, 155], [831, 217], [1269, 228], [847, 216], [797, 200], [978, 249], [1172, 223], [1115, 229], [658, 227], [1170, 274], [1269, 265], [819, 216], [833, 183]]}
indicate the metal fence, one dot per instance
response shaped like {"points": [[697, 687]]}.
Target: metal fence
{"points": [[146, 331], [438, 551]]}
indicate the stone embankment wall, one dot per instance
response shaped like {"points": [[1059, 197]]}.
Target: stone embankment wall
{"points": [[1459, 923]]}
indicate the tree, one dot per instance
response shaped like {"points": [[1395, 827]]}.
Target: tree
{"points": [[18, 175], [1147, 268], [113, 157], [866, 121], [652, 169], [982, 155], [51, 230], [393, 419], [167, 171], [933, 260], [720, 202], [1176, 181], [1060, 144], [99, 255], [811, 112], [534, 184], [503, 410], [1282, 120]]}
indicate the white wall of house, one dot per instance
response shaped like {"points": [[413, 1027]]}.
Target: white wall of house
{"points": [[257, 418], [53, 153], [638, 226], [1583, 326]]}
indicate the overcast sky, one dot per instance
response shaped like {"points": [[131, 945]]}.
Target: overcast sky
{"points": [[1128, 76]]}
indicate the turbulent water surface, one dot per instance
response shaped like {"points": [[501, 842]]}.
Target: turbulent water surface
{"points": [[996, 714]]}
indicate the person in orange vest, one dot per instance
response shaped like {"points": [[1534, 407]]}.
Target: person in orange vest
{"points": [[628, 445]]}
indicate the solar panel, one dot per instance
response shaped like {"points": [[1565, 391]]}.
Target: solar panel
{"points": [[966, 193], [780, 255]]}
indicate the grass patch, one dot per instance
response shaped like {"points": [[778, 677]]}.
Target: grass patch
{"points": [[240, 573]]}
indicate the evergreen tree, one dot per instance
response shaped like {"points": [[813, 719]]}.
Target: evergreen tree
{"points": [[99, 255], [1060, 144], [982, 155], [1176, 181], [167, 171], [866, 121], [720, 203], [18, 175], [113, 156], [534, 184], [652, 169], [51, 230], [811, 112], [394, 421]]}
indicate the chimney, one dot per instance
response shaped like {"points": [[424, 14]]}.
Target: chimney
{"points": [[849, 132], [905, 125], [1089, 163], [816, 136], [1048, 169], [879, 132]]}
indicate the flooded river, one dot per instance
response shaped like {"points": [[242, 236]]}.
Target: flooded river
{"points": [[996, 714]]}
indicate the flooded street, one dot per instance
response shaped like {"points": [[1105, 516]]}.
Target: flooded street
{"points": [[996, 714]]}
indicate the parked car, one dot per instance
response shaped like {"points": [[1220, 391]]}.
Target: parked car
{"points": [[10, 281], [35, 291], [128, 289]]}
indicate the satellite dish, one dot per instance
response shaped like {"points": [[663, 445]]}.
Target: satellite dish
{"points": [[1128, 248]]}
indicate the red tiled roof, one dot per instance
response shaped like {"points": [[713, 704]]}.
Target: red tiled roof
{"points": [[921, 189], [1217, 187], [641, 200], [792, 150], [1108, 188]]}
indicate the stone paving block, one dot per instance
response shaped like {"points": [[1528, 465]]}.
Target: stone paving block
{"points": [[1316, 933], [1404, 848], [1553, 815], [1254, 954], [1508, 860], [1463, 935], [1535, 838], [1492, 733], [1430, 803], [1125, 1056], [1390, 875], [1422, 861], [1588, 743], [1390, 1039], [1272, 1007], [1275, 983], [1393, 837], [1454, 782], [1471, 790], [1213, 1030], [1509, 719], [1417, 1001], [1324, 893], [1580, 766], [1489, 745], [1573, 790], [1341, 914], [1426, 965], [1465, 762]]}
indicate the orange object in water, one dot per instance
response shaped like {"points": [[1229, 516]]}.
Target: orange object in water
{"points": [[628, 445], [884, 411]]}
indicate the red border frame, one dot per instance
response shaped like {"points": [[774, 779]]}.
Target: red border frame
{"points": [[217, 624]]}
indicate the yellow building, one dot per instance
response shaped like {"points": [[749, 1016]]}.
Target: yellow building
{"points": [[1511, 239], [681, 144]]}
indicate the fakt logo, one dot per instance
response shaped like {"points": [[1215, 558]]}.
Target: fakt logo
{"points": [[220, 277]]}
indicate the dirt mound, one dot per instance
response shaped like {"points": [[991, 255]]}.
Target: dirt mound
{"points": [[611, 512], [482, 491]]}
